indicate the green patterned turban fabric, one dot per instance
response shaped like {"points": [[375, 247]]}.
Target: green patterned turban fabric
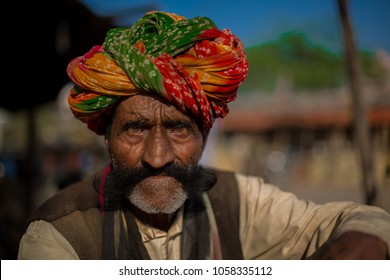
{"points": [[188, 62]]}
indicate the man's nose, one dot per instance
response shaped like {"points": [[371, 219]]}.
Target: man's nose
{"points": [[158, 149]]}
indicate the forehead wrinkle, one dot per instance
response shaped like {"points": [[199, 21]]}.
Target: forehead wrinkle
{"points": [[152, 109], [143, 109]]}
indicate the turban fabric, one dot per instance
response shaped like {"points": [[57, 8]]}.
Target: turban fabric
{"points": [[188, 62]]}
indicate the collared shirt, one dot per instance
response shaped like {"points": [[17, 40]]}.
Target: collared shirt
{"points": [[162, 245], [272, 225]]}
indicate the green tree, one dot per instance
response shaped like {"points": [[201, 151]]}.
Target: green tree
{"points": [[307, 65]]}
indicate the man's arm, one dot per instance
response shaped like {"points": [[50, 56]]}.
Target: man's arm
{"points": [[277, 225], [354, 245]]}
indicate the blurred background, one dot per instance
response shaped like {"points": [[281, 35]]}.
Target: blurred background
{"points": [[313, 116]]}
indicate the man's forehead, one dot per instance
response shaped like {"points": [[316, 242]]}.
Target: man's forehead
{"points": [[146, 106]]}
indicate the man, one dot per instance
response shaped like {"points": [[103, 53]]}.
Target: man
{"points": [[154, 90]]}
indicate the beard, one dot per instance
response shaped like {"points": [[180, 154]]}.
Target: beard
{"points": [[152, 190]]}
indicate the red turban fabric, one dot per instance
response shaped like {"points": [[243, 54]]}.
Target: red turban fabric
{"points": [[190, 63]]}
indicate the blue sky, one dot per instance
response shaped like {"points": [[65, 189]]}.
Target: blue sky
{"points": [[258, 21]]}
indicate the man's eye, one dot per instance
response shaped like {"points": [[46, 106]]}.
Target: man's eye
{"points": [[134, 128], [180, 129]]}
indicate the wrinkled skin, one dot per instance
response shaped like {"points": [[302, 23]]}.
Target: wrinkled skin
{"points": [[354, 245], [148, 132]]}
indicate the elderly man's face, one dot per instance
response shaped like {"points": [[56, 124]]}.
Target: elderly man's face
{"points": [[155, 150]]}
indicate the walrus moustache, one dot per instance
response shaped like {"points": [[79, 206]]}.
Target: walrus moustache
{"points": [[195, 179]]}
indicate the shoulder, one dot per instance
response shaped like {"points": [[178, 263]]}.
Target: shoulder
{"points": [[42, 241], [79, 196], [221, 173], [248, 188], [238, 179]]}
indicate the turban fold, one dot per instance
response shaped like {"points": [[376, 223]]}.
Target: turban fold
{"points": [[189, 62]]}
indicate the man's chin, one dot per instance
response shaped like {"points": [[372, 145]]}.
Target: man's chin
{"points": [[158, 194]]}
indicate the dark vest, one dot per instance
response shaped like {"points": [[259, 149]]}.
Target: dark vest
{"points": [[79, 219]]}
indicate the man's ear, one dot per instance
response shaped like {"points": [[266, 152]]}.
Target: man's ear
{"points": [[205, 134], [107, 139], [106, 143]]}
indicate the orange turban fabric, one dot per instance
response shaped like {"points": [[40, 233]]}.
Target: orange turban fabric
{"points": [[190, 63]]}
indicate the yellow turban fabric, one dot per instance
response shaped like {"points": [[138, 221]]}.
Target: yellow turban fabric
{"points": [[188, 62]]}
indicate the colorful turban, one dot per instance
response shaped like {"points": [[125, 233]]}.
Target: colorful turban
{"points": [[188, 62]]}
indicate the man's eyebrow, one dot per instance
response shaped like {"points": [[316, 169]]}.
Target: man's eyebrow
{"points": [[176, 122], [135, 123], [145, 123]]}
